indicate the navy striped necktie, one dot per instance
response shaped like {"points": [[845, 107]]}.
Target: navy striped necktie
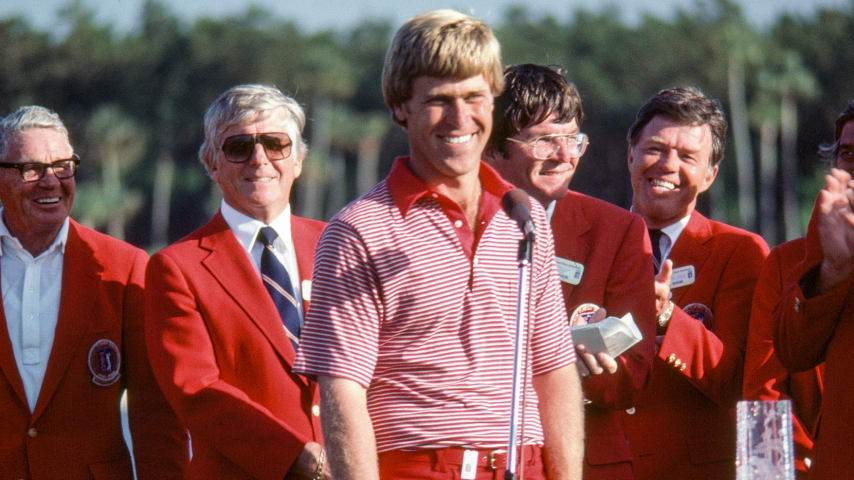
{"points": [[278, 284], [655, 237]]}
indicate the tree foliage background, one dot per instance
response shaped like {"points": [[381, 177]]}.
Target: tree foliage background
{"points": [[133, 102]]}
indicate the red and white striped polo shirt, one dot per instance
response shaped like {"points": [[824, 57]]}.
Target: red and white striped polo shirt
{"points": [[399, 307]]}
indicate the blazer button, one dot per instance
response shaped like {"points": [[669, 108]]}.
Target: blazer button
{"points": [[630, 410], [315, 410], [671, 358], [32, 432]]}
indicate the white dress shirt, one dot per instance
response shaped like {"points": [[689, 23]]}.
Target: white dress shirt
{"points": [[31, 293], [246, 229], [671, 234]]}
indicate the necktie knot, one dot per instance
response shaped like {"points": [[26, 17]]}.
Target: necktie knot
{"points": [[267, 236]]}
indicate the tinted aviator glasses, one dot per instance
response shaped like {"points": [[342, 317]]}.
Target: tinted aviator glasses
{"points": [[545, 147], [239, 148], [34, 171]]}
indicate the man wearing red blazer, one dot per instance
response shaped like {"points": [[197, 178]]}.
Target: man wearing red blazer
{"points": [[220, 347], [765, 377], [603, 251], [683, 426], [813, 318], [71, 339]]}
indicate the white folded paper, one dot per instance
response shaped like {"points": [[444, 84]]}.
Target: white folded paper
{"points": [[613, 335]]}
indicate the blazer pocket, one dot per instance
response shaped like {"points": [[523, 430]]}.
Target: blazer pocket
{"points": [[115, 470]]}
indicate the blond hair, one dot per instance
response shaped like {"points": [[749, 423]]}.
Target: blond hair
{"points": [[444, 44]]}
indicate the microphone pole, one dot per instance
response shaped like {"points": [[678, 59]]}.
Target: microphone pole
{"points": [[515, 203]]}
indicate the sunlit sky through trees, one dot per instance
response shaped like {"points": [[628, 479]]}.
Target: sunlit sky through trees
{"points": [[337, 14]]}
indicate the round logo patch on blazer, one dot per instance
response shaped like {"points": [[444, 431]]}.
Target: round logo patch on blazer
{"points": [[104, 362], [583, 313], [701, 313]]}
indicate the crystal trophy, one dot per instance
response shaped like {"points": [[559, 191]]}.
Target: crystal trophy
{"points": [[764, 447]]}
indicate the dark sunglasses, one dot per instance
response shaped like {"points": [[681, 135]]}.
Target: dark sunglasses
{"points": [[239, 148], [34, 171]]}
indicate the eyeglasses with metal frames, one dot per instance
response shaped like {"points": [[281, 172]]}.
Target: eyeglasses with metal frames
{"points": [[239, 148], [545, 147], [35, 171]]}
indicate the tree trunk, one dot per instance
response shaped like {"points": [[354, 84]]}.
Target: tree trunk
{"points": [[368, 163], [768, 180], [789, 158], [741, 138], [161, 199], [113, 190], [313, 182]]}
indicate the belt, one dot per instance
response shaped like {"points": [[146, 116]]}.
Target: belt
{"points": [[495, 459]]}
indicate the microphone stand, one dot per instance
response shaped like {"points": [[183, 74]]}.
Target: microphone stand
{"points": [[524, 260]]}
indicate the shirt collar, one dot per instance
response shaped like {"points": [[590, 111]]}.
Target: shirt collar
{"points": [[550, 209], [405, 188], [58, 242], [246, 228], [675, 229]]}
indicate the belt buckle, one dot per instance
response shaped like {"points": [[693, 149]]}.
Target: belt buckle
{"points": [[491, 457]]}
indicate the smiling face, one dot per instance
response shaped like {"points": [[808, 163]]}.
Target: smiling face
{"points": [[35, 211], [669, 166], [259, 187], [448, 123], [545, 180]]}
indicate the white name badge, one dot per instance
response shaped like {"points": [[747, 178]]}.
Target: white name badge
{"points": [[682, 276], [569, 271]]}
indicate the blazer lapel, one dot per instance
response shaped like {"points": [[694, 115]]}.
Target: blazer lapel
{"points": [[304, 245], [691, 249], [8, 365], [571, 227], [81, 274], [231, 267]]}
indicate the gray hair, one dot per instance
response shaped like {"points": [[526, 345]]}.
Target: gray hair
{"points": [[25, 118], [241, 103]]}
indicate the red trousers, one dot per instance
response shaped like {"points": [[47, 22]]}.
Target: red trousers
{"points": [[446, 464]]}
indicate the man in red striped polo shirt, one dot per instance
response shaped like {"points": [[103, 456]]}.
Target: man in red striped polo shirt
{"points": [[412, 325]]}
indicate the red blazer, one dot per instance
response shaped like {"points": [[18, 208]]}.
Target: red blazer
{"points": [[765, 378], [75, 430], [220, 353], [815, 330], [683, 425], [613, 246]]}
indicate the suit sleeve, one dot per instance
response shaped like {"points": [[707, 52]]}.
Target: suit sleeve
{"points": [[185, 365], [805, 325], [765, 378], [630, 289], [160, 446], [713, 360]]}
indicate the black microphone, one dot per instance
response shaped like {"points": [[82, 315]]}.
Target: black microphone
{"points": [[516, 203]]}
